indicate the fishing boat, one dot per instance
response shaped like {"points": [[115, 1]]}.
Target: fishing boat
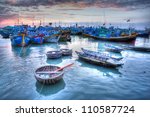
{"points": [[100, 54], [4, 34], [37, 39], [103, 61], [21, 40], [112, 48], [52, 39], [114, 39], [48, 74], [66, 52], [53, 54]]}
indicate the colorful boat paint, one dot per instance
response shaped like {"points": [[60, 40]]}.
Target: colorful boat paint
{"points": [[21, 41]]}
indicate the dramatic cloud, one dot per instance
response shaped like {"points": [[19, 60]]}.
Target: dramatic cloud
{"points": [[131, 4], [10, 9]]}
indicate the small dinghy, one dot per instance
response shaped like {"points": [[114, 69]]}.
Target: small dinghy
{"points": [[50, 74], [66, 52], [53, 54]]}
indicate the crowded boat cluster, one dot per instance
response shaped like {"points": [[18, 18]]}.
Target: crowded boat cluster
{"points": [[23, 35]]}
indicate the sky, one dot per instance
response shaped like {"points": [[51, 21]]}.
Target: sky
{"points": [[103, 11]]}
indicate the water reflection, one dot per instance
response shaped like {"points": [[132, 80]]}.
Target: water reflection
{"points": [[54, 61], [47, 90], [106, 71], [144, 42], [21, 51]]}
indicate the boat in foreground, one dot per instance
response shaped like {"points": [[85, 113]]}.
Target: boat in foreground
{"points": [[48, 74], [107, 62]]}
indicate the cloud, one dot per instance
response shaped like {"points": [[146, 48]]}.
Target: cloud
{"points": [[10, 8], [131, 4]]}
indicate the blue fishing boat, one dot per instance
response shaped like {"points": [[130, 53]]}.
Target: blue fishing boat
{"points": [[37, 40], [4, 34], [21, 40]]}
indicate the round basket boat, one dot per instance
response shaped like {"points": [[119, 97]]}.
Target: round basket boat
{"points": [[53, 54], [66, 52], [48, 74]]}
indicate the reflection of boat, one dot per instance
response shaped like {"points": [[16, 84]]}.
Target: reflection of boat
{"points": [[106, 71], [22, 52], [115, 39], [142, 49], [53, 54], [136, 48], [54, 61], [103, 61], [66, 52], [47, 90], [48, 74]]}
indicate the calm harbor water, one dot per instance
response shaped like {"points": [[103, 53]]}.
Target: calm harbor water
{"points": [[81, 81]]}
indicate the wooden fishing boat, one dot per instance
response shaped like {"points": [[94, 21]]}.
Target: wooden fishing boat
{"points": [[66, 52], [114, 39], [37, 40], [112, 48], [100, 54], [48, 74], [53, 54], [21, 41], [52, 39], [107, 62]]}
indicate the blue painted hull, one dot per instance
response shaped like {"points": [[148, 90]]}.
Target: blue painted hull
{"points": [[37, 40], [4, 35], [18, 41]]}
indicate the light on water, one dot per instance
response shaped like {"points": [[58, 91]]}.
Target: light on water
{"points": [[80, 81]]}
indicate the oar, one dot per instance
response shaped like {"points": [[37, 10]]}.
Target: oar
{"points": [[64, 67], [47, 72]]}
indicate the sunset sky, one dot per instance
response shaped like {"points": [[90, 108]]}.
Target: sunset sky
{"points": [[108, 11]]}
